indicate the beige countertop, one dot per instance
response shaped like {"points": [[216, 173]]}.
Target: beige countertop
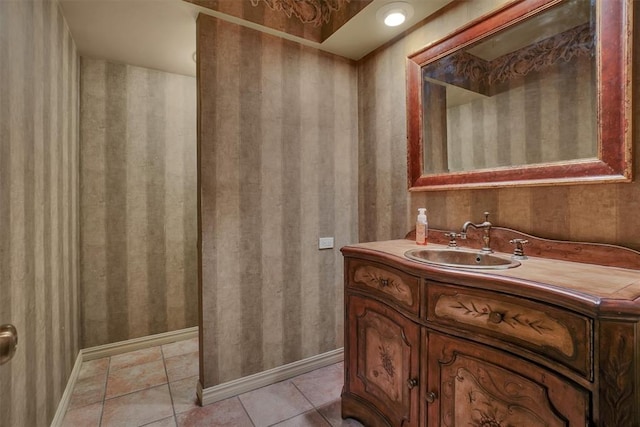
{"points": [[598, 282]]}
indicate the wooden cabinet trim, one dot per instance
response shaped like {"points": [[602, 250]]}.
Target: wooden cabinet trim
{"points": [[619, 371]]}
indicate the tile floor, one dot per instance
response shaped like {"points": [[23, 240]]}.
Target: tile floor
{"points": [[157, 387]]}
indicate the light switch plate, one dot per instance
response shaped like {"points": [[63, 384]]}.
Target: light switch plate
{"points": [[325, 243]]}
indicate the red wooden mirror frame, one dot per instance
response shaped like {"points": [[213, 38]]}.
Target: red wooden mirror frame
{"points": [[613, 62]]}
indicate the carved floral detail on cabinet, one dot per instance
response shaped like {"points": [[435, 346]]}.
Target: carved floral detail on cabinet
{"points": [[387, 361], [617, 377], [511, 319], [383, 346], [314, 12], [384, 281], [479, 394]]}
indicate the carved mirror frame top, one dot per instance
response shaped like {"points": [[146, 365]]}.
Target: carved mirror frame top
{"points": [[614, 163]]}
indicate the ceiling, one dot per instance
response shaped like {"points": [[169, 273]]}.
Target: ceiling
{"points": [[161, 34], [313, 20]]}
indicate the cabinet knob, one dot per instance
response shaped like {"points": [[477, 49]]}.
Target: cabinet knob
{"points": [[430, 397], [412, 382], [384, 282], [496, 317]]}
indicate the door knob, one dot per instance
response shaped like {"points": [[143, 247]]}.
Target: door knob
{"points": [[8, 342]]}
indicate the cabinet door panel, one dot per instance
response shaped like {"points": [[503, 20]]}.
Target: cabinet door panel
{"points": [[479, 386], [383, 359]]}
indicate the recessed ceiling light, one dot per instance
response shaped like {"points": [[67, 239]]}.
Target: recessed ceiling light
{"points": [[394, 14], [393, 19]]}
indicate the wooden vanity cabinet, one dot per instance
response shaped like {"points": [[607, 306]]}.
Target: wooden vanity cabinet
{"points": [[430, 347]]}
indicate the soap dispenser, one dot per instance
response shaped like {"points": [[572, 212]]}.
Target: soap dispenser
{"points": [[422, 227]]}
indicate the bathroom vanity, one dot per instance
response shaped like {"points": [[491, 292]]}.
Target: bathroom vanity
{"points": [[551, 342]]}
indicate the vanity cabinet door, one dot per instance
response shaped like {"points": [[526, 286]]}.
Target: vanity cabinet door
{"points": [[472, 385], [382, 365]]}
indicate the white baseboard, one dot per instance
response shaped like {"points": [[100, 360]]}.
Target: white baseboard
{"points": [[271, 376], [113, 349]]}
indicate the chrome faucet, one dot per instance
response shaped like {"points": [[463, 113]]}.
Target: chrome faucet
{"points": [[486, 238]]}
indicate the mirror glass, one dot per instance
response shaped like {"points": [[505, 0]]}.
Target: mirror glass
{"points": [[517, 97], [525, 95]]}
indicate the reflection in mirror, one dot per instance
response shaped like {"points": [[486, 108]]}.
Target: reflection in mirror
{"points": [[525, 95], [535, 93]]}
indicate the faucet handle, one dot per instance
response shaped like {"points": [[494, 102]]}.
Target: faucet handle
{"points": [[452, 239], [518, 252]]}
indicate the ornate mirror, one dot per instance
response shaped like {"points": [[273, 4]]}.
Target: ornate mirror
{"points": [[536, 93]]}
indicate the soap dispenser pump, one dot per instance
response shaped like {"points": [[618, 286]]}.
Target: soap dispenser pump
{"points": [[422, 228]]}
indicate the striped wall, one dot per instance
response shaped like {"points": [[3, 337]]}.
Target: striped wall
{"points": [[596, 212], [138, 202], [278, 169], [38, 207]]}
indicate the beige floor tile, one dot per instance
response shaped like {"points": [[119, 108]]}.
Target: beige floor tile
{"points": [[180, 347], [86, 416], [133, 358], [321, 386], [308, 419], [183, 393], [145, 387], [91, 368], [139, 408], [181, 367], [227, 413], [167, 422], [138, 377], [274, 403], [332, 411], [88, 390]]}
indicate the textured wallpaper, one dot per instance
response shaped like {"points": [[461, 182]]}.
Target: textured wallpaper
{"points": [[278, 169], [597, 212], [138, 202], [38, 208]]}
